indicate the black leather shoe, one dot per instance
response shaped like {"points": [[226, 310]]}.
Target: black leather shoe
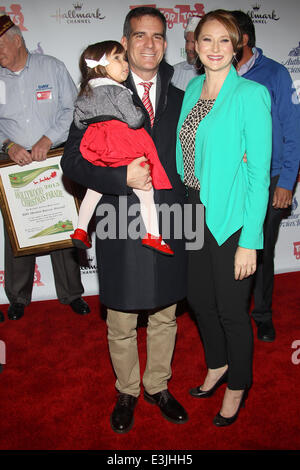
{"points": [[169, 407], [121, 419], [1, 317], [80, 306], [266, 331], [221, 421], [198, 393], [15, 311]]}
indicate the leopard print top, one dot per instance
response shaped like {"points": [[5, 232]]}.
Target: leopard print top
{"points": [[187, 138]]}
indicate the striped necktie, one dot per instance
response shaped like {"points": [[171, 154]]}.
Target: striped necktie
{"points": [[146, 100]]}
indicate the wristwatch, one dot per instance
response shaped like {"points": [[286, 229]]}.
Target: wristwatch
{"points": [[7, 145]]}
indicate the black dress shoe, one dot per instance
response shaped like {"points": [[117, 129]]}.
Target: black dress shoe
{"points": [[80, 306], [198, 393], [15, 311], [266, 331], [169, 407], [221, 421], [1, 316], [121, 419]]}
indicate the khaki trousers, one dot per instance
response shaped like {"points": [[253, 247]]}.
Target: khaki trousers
{"points": [[122, 341]]}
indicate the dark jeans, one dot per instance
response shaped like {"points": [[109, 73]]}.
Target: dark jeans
{"points": [[264, 277], [221, 306]]}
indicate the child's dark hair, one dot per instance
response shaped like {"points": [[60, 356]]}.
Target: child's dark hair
{"points": [[95, 52]]}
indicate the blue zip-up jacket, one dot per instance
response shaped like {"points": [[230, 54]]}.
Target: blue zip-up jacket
{"points": [[285, 118]]}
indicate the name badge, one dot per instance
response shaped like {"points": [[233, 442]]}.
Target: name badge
{"points": [[44, 95]]}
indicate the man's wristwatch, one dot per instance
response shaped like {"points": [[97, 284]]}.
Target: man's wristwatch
{"points": [[7, 145]]}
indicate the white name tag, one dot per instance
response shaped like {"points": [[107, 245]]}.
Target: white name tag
{"points": [[44, 95]]}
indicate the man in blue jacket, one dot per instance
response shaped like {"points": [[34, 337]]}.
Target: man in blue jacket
{"points": [[253, 65]]}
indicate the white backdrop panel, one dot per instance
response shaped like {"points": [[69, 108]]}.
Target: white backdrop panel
{"points": [[64, 28]]}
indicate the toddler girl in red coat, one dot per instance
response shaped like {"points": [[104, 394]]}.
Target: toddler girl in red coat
{"points": [[114, 136]]}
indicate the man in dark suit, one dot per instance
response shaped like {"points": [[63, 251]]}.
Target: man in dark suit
{"points": [[135, 280]]}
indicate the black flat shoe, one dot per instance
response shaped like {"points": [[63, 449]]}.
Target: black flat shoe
{"points": [[121, 420], [169, 407], [1, 317], [198, 393], [80, 306], [221, 421], [15, 311]]}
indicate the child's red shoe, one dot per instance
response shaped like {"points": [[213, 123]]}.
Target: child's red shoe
{"points": [[155, 243], [80, 239]]}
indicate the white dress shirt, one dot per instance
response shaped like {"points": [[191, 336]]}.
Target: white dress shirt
{"points": [[140, 89]]}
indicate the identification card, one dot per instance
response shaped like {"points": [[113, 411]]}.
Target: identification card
{"points": [[44, 95]]}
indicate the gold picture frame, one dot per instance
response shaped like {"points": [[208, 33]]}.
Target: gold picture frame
{"points": [[39, 205]]}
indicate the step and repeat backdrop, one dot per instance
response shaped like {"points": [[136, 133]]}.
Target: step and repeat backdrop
{"points": [[63, 28]]}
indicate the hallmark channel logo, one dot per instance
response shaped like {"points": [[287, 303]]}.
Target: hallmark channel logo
{"points": [[15, 15], [180, 14], [293, 61], [38, 49], [262, 17], [88, 265], [295, 52], [294, 205], [77, 14], [294, 219]]}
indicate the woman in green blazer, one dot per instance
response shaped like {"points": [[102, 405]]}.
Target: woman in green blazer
{"points": [[223, 117]]}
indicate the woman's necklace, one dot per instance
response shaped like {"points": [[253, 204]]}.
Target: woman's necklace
{"points": [[211, 94], [205, 95]]}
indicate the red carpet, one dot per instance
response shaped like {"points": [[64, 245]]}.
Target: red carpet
{"points": [[57, 388]]}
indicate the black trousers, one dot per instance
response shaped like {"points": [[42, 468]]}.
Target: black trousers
{"points": [[221, 306], [19, 274], [264, 276]]}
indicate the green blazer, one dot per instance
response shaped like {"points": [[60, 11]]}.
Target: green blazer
{"points": [[234, 193]]}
